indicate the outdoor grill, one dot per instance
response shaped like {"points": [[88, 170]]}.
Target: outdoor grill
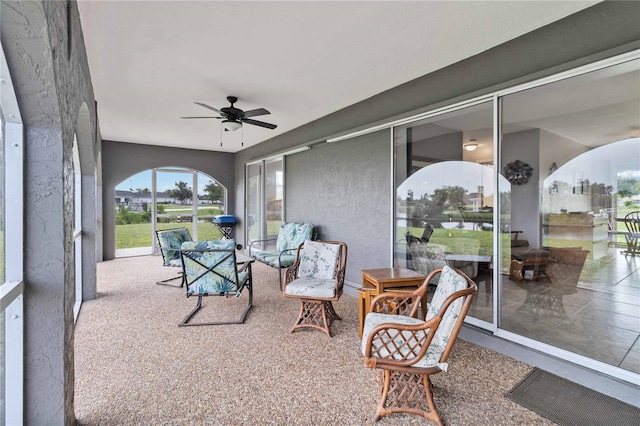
{"points": [[225, 223]]}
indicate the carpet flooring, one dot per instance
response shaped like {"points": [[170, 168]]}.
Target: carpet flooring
{"points": [[135, 366]]}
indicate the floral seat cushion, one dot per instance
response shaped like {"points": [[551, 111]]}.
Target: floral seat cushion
{"points": [[450, 282], [312, 287], [222, 278]]}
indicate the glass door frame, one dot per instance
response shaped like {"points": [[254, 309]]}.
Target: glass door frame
{"points": [[154, 202]]}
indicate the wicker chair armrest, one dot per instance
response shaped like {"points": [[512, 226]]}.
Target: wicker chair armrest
{"points": [[291, 273], [416, 338], [396, 303]]}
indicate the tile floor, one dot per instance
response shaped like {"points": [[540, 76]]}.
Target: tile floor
{"points": [[599, 318]]}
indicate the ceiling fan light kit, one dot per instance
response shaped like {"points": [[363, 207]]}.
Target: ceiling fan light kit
{"points": [[231, 125]]}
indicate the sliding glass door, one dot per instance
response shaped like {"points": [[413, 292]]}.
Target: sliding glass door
{"points": [[570, 153], [445, 197], [264, 201]]}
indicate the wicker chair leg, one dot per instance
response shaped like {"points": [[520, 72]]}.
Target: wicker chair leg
{"points": [[316, 314], [405, 393]]}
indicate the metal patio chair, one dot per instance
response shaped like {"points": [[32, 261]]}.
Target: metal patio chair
{"points": [[170, 241], [290, 236], [213, 268]]}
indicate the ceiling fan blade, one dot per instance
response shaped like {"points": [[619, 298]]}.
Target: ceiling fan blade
{"points": [[209, 107], [256, 112], [258, 123], [200, 117]]}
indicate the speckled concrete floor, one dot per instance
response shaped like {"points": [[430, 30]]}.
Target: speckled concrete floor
{"points": [[135, 366]]}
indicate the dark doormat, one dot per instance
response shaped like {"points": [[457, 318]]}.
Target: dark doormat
{"points": [[570, 404]]}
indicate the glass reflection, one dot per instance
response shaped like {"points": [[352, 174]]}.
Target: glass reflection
{"points": [[445, 198], [566, 280]]}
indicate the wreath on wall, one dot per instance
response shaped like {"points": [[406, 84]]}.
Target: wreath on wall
{"points": [[518, 172]]}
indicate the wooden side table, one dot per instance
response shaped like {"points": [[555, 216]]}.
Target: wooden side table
{"points": [[376, 281]]}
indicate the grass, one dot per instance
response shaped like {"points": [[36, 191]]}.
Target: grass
{"points": [[139, 235]]}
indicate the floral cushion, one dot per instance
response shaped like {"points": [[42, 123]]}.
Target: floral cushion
{"points": [[317, 288], [450, 282], [291, 235], [318, 260], [170, 242], [223, 277]]}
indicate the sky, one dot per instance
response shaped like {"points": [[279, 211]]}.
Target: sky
{"points": [[165, 180]]}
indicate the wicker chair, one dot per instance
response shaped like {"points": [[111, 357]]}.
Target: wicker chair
{"points": [[211, 269], [170, 241], [316, 278], [408, 350], [290, 236]]}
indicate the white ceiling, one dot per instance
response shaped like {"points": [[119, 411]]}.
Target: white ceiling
{"points": [[301, 60]]}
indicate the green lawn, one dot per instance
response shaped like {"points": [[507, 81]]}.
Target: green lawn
{"points": [[139, 235]]}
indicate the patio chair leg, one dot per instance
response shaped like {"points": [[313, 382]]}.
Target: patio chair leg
{"points": [[192, 313], [185, 322], [166, 282]]}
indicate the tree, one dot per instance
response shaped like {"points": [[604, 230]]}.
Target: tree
{"points": [[182, 192], [213, 191]]}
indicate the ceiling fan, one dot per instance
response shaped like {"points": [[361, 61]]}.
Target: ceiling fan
{"points": [[232, 117]]}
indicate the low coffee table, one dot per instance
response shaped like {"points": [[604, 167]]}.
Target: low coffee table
{"points": [[376, 281]]}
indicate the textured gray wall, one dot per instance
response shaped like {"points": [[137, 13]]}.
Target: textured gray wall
{"points": [[45, 52], [344, 189], [121, 160]]}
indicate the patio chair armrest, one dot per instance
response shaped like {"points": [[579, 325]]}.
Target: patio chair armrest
{"points": [[259, 241], [399, 345], [243, 266]]}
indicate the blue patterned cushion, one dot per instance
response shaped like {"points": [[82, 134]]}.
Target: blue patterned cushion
{"points": [[291, 235], [270, 257], [319, 288], [318, 260], [170, 242], [223, 279]]}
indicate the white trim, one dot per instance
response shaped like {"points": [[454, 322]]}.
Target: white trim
{"points": [[14, 362], [13, 290], [279, 155], [605, 63], [9, 291], [408, 120], [394, 219], [497, 200]]}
